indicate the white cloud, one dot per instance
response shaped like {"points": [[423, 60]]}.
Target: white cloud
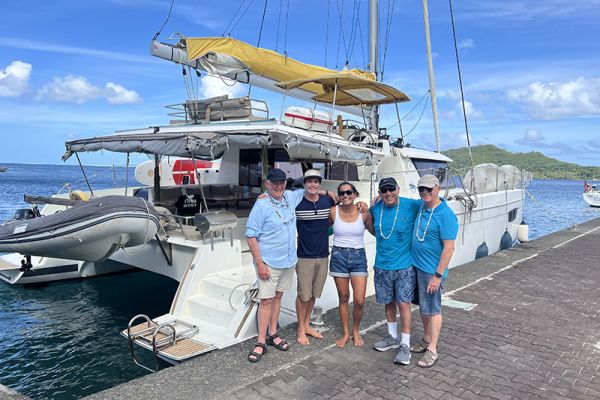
{"points": [[466, 44], [14, 79], [531, 136], [555, 100], [213, 86], [117, 94], [470, 109], [77, 89]]}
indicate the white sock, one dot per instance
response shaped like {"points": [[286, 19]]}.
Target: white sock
{"points": [[406, 339], [393, 329]]}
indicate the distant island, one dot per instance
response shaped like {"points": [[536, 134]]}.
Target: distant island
{"points": [[541, 166]]}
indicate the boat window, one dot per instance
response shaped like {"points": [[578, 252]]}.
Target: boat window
{"points": [[512, 214], [341, 171], [431, 167]]}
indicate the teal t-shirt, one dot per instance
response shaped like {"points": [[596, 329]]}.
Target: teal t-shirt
{"points": [[443, 225], [393, 253]]}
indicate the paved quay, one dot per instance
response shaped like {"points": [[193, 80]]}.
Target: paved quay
{"points": [[533, 332]]}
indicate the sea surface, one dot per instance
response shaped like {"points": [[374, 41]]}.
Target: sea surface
{"points": [[61, 340]]}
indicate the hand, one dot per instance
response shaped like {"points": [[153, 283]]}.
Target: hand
{"points": [[333, 196], [262, 196], [263, 271], [434, 285], [375, 200], [362, 207]]}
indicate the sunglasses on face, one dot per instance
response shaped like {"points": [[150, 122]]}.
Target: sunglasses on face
{"points": [[387, 189], [425, 189], [345, 192]]}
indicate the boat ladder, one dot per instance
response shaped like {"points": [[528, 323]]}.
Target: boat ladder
{"points": [[169, 340]]}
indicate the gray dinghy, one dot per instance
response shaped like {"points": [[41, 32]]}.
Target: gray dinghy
{"points": [[88, 231]]}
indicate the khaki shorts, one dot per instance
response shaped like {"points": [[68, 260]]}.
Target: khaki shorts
{"points": [[280, 281], [311, 273]]}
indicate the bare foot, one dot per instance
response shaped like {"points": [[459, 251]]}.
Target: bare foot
{"points": [[303, 340], [341, 342], [311, 332], [357, 339]]}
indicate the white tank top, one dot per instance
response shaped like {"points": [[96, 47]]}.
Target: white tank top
{"points": [[348, 234]]}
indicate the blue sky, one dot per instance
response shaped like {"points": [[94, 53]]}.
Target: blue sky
{"points": [[74, 69]]}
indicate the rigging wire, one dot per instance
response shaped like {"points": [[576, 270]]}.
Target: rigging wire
{"points": [[278, 26], [233, 18], [341, 37], [164, 23], [241, 16], [362, 46], [412, 109], [388, 29], [262, 23], [418, 120], [327, 31], [462, 95], [353, 30], [287, 12]]}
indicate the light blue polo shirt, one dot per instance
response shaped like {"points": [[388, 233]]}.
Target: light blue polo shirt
{"points": [[394, 253], [273, 223], [443, 226]]}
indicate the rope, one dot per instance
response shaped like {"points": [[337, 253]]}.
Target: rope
{"points": [[419, 119], [340, 10], [233, 18], [164, 23], [557, 217], [241, 16], [411, 110], [462, 94], [262, 23]]}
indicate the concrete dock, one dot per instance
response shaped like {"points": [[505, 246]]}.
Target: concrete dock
{"points": [[533, 332], [523, 323]]}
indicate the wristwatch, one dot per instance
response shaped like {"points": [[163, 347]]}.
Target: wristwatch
{"points": [[437, 275]]}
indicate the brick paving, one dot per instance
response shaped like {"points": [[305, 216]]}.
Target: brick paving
{"points": [[533, 334]]}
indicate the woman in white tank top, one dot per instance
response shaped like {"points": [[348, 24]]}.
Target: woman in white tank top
{"points": [[348, 263]]}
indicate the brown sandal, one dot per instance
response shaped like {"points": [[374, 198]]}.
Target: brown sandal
{"points": [[428, 359], [283, 345], [254, 356]]}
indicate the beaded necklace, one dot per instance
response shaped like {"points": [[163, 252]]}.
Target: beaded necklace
{"points": [[393, 224], [276, 205], [422, 239]]}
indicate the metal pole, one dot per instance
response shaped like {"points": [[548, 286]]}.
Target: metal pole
{"points": [[84, 175], [431, 77], [156, 188], [373, 50]]}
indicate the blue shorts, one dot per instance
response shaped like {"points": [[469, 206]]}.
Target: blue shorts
{"points": [[429, 303], [346, 262], [394, 285]]}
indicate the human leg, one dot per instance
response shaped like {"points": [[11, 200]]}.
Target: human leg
{"points": [[430, 305], [264, 318], [385, 294], [343, 289], [359, 289], [301, 311]]}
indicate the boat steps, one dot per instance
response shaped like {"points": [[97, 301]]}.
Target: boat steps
{"points": [[170, 340], [211, 309]]}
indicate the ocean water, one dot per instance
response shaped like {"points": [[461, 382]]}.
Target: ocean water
{"points": [[61, 340]]}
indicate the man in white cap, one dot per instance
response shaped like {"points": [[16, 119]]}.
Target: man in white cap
{"points": [[435, 231], [313, 251]]}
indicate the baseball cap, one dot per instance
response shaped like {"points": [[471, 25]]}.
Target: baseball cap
{"points": [[312, 173], [388, 182], [276, 175], [429, 181]]}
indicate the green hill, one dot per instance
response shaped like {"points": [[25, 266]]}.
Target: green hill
{"points": [[541, 166]]}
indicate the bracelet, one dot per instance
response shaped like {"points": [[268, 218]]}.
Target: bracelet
{"points": [[437, 274]]}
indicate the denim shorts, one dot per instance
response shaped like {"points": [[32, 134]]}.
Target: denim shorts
{"points": [[346, 262], [394, 285], [429, 303]]}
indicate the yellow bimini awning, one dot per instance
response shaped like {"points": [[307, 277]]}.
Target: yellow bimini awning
{"points": [[349, 90], [267, 63]]}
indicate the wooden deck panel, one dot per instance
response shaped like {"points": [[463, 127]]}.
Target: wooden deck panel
{"points": [[186, 348]]}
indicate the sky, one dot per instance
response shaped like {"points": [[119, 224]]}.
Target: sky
{"points": [[72, 69]]}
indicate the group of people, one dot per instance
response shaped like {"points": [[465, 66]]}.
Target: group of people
{"points": [[414, 245]]}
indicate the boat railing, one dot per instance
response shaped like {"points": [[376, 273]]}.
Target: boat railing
{"points": [[218, 110]]}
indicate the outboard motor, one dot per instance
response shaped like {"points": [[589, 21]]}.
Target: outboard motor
{"points": [[24, 214]]}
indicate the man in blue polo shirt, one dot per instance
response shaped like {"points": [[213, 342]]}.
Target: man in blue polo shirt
{"points": [[393, 220], [271, 236], [435, 231]]}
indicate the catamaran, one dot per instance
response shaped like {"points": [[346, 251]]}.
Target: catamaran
{"points": [[201, 241]]}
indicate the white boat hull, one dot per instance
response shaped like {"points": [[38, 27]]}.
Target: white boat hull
{"points": [[592, 198]]}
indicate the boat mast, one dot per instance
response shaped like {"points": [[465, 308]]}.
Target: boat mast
{"points": [[373, 30], [431, 77]]}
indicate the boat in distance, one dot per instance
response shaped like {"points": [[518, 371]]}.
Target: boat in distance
{"points": [[591, 194]]}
